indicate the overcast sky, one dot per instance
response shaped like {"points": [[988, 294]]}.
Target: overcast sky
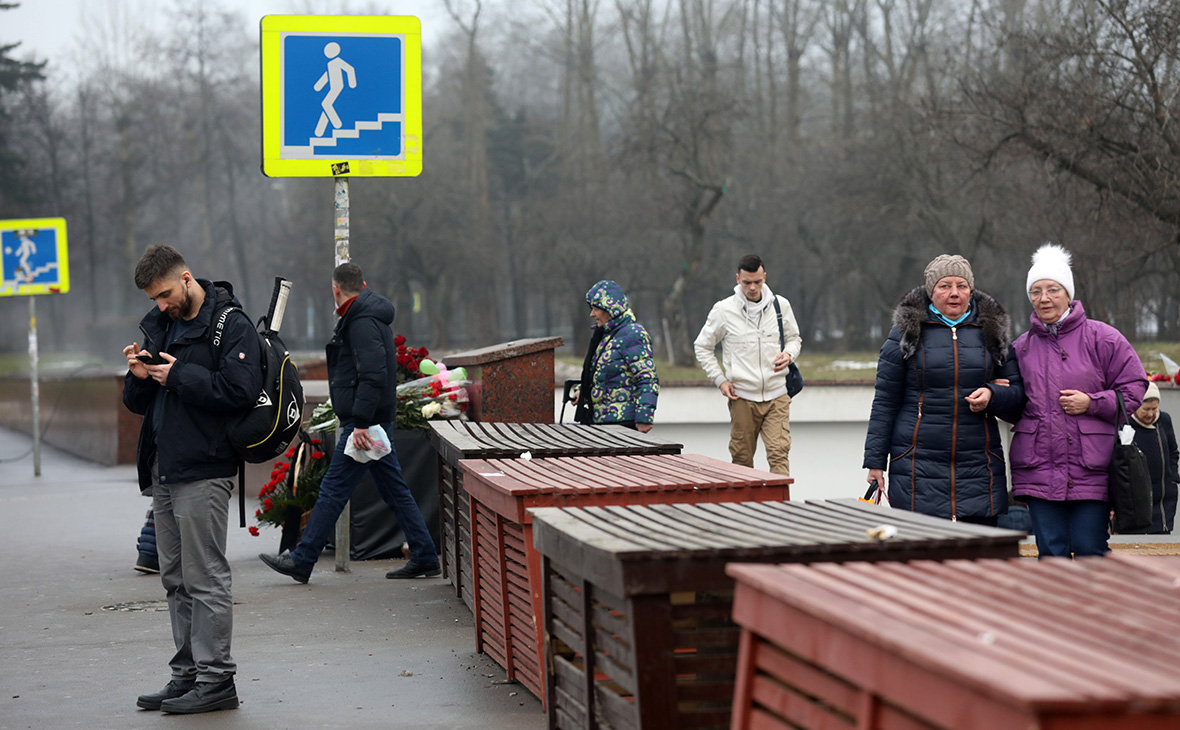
{"points": [[50, 29]]}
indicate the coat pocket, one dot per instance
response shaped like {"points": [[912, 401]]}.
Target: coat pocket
{"points": [[1026, 452], [1097, 439]]}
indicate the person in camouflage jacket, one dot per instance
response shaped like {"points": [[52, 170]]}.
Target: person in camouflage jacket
{"points": [[619, 373]]}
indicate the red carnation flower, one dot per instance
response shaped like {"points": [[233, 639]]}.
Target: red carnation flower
{"points": [[453, 396], [254, 531], [257, 513], [316, 442], [399, 340], [316, 455], [290, 452]]}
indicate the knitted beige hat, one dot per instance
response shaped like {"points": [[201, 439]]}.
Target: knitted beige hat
{"points": [[1153, 392], [948, 265]]}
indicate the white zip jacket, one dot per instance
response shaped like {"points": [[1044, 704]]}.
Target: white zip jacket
{"points": [[748, 351]]}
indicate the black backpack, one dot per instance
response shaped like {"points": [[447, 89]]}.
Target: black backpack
{"points": [[264, 431]]}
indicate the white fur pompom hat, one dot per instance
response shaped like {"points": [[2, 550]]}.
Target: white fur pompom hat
{"points": [[1051, 262]]}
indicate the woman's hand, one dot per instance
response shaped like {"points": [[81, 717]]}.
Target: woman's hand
{"points": [[979, 399], [643, 427], [878, 476], [1074, 402]]}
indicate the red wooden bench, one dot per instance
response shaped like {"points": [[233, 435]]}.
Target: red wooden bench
{"points": [[637, 603], [1091, 644], [456, 440], [506, 568]]}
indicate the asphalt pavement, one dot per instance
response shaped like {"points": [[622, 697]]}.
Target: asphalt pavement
{"points": [[82, 634]]}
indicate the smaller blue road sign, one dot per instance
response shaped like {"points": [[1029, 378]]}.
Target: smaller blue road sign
{"points": [[33, 257]]}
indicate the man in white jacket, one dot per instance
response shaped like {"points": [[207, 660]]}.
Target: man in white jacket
{"points": [[755, 355]]}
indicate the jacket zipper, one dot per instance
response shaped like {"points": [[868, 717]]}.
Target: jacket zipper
{"points": [[954, 421]]}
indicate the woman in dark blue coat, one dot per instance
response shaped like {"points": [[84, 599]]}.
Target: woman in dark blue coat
{"points": [[945, 373]]}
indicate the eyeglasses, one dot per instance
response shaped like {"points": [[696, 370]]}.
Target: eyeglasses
{"points": [[1052, 292]]}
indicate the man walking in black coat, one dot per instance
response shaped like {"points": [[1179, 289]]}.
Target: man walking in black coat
{"points": [[362, 382], [187, 464]]}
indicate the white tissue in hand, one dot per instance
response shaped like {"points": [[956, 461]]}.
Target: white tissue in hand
{"points": [[1126, 435], [379, 448]]}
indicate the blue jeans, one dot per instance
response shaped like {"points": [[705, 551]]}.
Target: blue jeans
{"points": [[1073, 527], [344, 474]]}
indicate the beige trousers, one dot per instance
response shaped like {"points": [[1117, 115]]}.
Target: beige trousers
{"points": [[772, 419]]}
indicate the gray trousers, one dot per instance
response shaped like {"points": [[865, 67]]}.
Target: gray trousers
{"points": [[191, 521]]}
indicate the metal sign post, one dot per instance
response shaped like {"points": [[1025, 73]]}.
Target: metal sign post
{"points": [[33, 261], [36, 387], [344, 524]]}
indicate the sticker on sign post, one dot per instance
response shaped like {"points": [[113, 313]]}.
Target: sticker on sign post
{"points": [[341, 93], [33, 257]]}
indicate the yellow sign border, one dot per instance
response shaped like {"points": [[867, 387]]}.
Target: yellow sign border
{"points": [[63, 259], [271, 27]]}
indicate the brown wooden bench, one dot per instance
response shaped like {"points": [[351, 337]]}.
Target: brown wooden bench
{"points": [[456, 440], [637, 603], [506, 573], [965, 645]]}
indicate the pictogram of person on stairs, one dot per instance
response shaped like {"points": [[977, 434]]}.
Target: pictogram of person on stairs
{"points": [[334, 78]]}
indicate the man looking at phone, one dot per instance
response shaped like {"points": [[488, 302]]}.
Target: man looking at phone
{"points": [[187, 464]]}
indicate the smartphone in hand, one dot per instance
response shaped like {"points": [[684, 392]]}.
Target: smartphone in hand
{"points": [[148, 359]]}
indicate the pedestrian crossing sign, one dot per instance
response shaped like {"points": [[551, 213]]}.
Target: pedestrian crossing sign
{"points": [[341, 96], [33, 257]]}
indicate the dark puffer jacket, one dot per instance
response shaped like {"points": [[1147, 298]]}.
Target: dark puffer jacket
{"points": [[1158, 444], [199, 396], [943, 459], [362, 362]]}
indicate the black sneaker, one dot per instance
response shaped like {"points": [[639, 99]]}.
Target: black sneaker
{"points": [[172, 690], [285, 565], [416, 570], [204, 697], [147, 563]]}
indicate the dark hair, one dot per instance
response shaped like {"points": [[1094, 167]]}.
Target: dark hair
{"points": [[349, 278], [750, 262], [157, 263]]}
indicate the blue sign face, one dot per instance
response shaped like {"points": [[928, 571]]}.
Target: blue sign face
{"points": [[342, 96], [28, 257]]}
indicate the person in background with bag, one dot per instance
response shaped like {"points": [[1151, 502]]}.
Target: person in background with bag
{"points": [[1157, 440], [1062, 446], [187, 463], [945, 373], [759, 340], [619, 373], [362, 362]]}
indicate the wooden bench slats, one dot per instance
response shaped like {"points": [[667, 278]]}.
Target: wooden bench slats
{"points": [[888, 607], [963, 610], [1055, 612]]}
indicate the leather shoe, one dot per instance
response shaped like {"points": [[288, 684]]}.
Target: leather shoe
{"points": [[285, 565], [414, 570], [204, 697], [172, 690]]}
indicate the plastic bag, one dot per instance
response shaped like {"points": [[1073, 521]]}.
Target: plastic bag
{"points": [[876, 494], [379, 449]]}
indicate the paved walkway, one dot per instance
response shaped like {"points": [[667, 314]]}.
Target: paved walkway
{"points": [[347, 650]]}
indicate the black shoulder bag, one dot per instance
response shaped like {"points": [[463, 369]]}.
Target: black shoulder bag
{"points": [[794, 377], [1130, 481]]}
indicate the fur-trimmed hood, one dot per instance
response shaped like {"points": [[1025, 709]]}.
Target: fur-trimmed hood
{"points": [[913, 311]]}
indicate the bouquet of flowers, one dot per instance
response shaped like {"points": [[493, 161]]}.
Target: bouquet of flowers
{"points": [[294, 485], [425, 389], [442, 394]]}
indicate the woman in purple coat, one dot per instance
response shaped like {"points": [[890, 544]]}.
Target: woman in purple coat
{"points": [[1062, 445]]}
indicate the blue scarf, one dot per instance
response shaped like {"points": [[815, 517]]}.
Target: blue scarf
{"points": [[951, 322]]}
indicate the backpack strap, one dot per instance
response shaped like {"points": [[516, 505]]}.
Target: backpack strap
{"points": [[221, 313], [782, 340]]}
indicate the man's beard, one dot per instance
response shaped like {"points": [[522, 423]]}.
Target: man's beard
{"points": [[185, 308]]}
